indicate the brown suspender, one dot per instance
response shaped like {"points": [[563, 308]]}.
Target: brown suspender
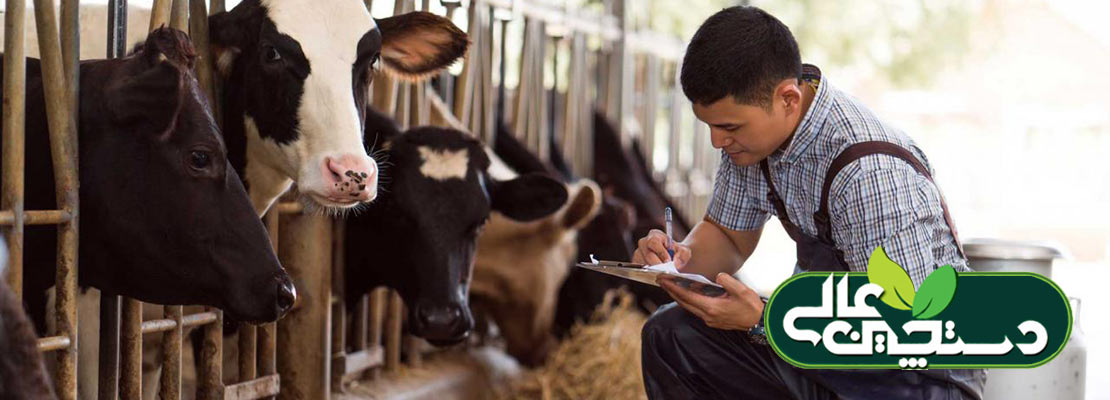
{"points": [[852, 153]]}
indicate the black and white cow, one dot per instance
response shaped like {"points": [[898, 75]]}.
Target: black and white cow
{"points": [[297, 74], [163, 216], [420, 236]]}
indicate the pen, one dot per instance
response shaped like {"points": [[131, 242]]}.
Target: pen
{"points": [[670, 233]]}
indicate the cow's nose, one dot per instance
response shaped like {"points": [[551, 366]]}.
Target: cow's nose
{"points": [[351, 177], [439, 317], [286, 296]]}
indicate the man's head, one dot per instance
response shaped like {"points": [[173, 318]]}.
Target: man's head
{"points": [[741, 71]]}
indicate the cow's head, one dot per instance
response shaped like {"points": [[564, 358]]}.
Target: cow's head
{"points": [[420, 236], [166, 214], [297, 75], [521, 266]]}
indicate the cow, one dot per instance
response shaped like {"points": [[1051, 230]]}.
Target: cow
{"points": [[419, 237], [609, 235], [295, 77], [520, 267], [164, 218], [22, 374], [297, 74]]}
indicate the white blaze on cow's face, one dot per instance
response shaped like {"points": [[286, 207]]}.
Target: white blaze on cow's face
{"points": [[443, 164]]}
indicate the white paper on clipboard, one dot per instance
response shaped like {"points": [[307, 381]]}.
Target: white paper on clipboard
{"points": [[646, 274]]}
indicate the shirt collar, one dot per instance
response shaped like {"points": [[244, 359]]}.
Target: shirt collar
{"points": [[806, 133]]}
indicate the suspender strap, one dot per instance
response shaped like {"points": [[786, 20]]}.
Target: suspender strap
{"points": [[855, 152], [780, 207]]}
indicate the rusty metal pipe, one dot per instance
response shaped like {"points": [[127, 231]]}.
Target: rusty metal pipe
{"points": [[60, 90], [53, 343], [394, 313], [179, 15], [131, 350], [170, 385], [159, 14], [11, 193], [303, 335], [210, 370], [37, 217]]}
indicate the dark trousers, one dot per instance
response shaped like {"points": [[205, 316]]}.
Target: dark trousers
{"points": [[685, 359]]}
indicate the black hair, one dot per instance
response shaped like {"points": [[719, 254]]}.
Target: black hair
{"points": [[740, 51]]}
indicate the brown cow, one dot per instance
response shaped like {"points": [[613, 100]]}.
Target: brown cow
{"points": [[520, 268]]}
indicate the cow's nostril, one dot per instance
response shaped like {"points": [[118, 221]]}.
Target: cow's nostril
{"points": [[286, 296]]}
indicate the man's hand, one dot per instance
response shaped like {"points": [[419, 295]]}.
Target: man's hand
{"points": [[652, 249], [739, 309]]}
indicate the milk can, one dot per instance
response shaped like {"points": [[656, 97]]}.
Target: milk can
{"points": [[1065, 376]]}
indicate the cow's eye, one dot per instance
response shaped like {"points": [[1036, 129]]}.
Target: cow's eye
{"points": [[272, 55], [199, 159]]}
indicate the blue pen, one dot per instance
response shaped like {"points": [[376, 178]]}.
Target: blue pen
{"points": [[670, 233]]}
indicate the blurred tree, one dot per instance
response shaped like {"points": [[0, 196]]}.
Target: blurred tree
{"points": [[902, 42]]}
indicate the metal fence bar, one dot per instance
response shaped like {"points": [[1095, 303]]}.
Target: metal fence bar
{"points": [[159, 14], [15, 78], [170, 384], [303, 335], [131, 350], [210, 385], [108, 363], [63, 155], [394, 313], [267, 333]]}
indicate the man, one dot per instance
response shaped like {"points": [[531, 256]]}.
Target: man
{"points": [[780, 125]]}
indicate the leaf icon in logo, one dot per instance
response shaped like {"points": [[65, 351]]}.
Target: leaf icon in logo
{"points": [[897, 287], [935, 293]]}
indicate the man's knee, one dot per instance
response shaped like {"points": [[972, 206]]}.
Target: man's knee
{"points": [[667, 322]]}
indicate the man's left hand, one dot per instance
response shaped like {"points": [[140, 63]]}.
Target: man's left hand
{"points": [[739, 309]]}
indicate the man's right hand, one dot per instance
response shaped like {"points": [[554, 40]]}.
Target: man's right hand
{"points": [[652, 249]]}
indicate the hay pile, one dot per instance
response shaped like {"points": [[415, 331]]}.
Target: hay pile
{"points": [[598, 360]]}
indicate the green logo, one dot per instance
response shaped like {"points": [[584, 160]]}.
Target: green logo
{"points": [[878, 320]]}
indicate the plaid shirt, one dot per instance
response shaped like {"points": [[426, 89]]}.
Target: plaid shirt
{"points": [[876, 200]]}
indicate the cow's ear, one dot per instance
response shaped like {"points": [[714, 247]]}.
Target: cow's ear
{"points": [[148, 98], [228, 32], [417, 44], [527, 197], [584, 204]]}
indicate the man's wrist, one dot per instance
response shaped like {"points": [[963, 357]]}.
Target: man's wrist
{"points": [[757, 334]]}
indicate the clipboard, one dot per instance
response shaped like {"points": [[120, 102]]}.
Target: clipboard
{"points": [[647, 274]]}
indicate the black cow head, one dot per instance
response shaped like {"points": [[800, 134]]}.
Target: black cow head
{"points": [[420, 236], [164, 217], [297, 76]]}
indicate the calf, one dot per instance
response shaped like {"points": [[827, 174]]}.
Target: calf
{"points": [[520, 267], [22, 375], [297, 74], [164, 217], [419, 237], [608, 236]]}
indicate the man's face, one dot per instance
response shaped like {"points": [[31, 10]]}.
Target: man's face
{"points": [[748, 133]]}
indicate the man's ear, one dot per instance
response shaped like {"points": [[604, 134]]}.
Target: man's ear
{"points": [[789, 95], [229, 33], [527, 197], [418, 44]]}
